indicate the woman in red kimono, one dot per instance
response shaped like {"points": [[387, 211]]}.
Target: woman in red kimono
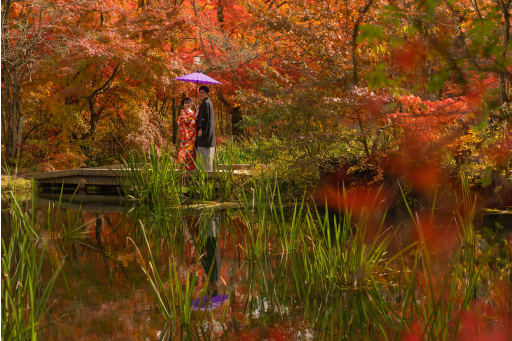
{"points": [[187, 135]]}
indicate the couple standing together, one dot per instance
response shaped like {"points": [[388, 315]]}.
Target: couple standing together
{"points": [[197, 133]]}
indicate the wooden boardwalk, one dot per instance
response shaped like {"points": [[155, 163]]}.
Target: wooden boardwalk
{"points": [[102, 180]]}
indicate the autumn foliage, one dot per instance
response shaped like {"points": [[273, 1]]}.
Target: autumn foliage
{"points": [[395, 114], [95, 79]]}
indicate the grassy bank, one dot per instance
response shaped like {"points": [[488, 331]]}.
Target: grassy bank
{"points": [[20, 186]]}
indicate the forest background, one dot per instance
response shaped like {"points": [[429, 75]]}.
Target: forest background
{"points": [[416, 88]]}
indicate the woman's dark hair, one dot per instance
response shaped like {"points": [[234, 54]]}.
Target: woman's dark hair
{"points": [[204, 88], [186, 100]]}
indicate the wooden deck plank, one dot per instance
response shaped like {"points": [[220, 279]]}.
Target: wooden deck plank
{"points": [[109, 172], [76, 172], [114, 175]]}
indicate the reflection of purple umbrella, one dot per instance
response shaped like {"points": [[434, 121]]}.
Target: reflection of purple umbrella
{"points": [[198, 78], [209, 303]]}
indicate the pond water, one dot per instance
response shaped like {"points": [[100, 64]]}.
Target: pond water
{"points": [[102, 292]]}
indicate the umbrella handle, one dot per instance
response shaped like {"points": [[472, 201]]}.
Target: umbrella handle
{"points": [[197, 94]]}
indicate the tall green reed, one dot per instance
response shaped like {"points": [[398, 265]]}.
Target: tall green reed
{"points": [[342, 266], [255, 216], [25, 293], [154, 177], [174, 301], [326, 263], [174, 293], [201, 186]]}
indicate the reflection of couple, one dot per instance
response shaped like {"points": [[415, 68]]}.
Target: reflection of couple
{"points": [[197, 134], [203, 228]]}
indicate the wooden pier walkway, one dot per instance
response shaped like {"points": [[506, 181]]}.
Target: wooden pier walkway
{"points": [[103, 180]]}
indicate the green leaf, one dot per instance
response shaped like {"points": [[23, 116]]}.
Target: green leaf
{"points": [[486, 178], [437, 80], [390, 107], [484, 122], [378, 78], [370, 32], [430, 8]]}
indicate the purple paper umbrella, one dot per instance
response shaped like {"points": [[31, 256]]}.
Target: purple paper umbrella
{"points": [[198, 78], [209, 303]]}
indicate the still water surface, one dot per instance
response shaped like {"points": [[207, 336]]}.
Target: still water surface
{"points": [[102, 293]]}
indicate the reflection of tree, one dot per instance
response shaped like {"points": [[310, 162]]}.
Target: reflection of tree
{"points": [[75, 234], [99, 227], [98, 231]]}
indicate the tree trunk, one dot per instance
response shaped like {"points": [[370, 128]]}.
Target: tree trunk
{"points": [[174, 121], [236, 115], [236, 120], [503, 76], [11, 95], [21, 52], [95, 115], [11, 114], [355, 34]]}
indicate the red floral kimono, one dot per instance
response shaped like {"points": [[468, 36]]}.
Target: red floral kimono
{"points": [[187, 136]]}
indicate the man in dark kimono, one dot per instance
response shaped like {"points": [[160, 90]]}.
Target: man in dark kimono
{"points": [[205, 142]]}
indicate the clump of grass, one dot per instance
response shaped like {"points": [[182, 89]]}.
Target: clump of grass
{"points": [[173, 294], [256, 216], [201, 186], [325, 266], [24, 292], [340, 266], [16, 185], [241, 151], [154, 178], [157, 180]]}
